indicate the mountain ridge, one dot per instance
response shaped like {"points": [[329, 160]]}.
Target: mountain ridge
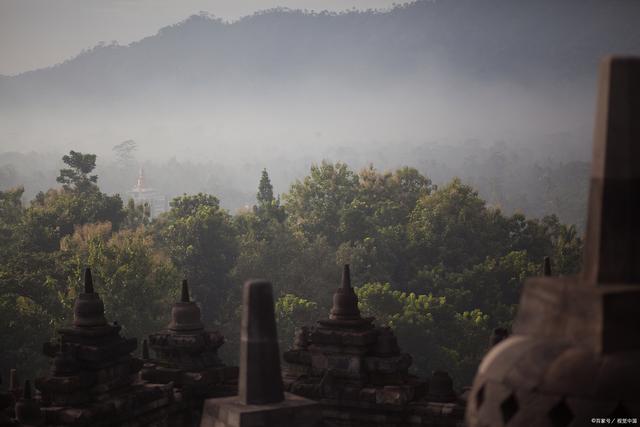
{"points": [[442, 34], [479, 69]]}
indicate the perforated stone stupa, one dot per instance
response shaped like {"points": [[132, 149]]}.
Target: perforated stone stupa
{"points": [[360, 375], [93, 377], [574, 355], [187, 356]]}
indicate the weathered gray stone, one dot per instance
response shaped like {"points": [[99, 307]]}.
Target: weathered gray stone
{"points": [[260, 379], [360, 375], [93, 377], [576, 344], [261, 401]]}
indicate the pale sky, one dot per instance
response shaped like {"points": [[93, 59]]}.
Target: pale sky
{"points": [[39, 33]]}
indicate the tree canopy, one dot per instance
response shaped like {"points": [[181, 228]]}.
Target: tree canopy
{"points": [[436, 264]]}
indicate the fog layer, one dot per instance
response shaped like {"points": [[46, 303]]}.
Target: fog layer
{"points": [[439, 85]]}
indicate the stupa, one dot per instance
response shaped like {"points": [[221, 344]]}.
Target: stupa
{"points": [[360, 375], [186, 355], [93, 377], [574, 356]]}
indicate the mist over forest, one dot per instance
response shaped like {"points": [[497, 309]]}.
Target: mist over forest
{"points": [[441, 148], [499, 93]]}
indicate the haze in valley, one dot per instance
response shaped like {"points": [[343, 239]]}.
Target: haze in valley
{"points": [[500, 93]]}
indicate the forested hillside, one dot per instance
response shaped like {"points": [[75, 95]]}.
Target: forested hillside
{"points": [[434, 263], [496, 92], [533, 182], [542, 41]]}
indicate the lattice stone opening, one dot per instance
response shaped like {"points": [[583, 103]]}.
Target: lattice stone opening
{"points": [[561, 415], [480, 397], [509, 407]]}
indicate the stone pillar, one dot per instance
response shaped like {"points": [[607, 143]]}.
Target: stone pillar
{"points": [[261, 401], [260, 379], [612, 246]]}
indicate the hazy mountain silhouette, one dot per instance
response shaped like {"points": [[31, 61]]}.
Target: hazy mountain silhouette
{"points": [[290, 86], [526, 42], [427, 84]]}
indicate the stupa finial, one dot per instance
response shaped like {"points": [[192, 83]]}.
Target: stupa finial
{"points": [[185, 291], [88, 309], [88, 281], [260, 379], [346, 277], [185, 314], [345, 300]]}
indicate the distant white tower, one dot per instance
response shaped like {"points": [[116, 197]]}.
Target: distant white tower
{"points": [[142, 194]]}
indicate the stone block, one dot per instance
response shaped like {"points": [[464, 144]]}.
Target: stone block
{"points": [[231, 412]]}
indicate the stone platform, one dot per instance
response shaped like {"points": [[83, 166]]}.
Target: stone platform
{"points": [[232, 412]]}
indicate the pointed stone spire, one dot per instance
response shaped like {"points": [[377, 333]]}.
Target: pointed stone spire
{"points": [[140, 185], [185, 291], [260, 377], [546, 266], [346, 278], [261, 400], [88, 281], [185, 314], [612, 247], [88, 310], [345, 301]]}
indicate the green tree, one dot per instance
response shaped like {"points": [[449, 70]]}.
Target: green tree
{"points": [[33, 273], [374, 224], [76, 176], [136, 215], [429, 329], [59, 211], [265, 190], [268, 207], [315, 205], [293, 312], [29, 307], [452, 226], [136, 281], [200, 238], [125, 153]]}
